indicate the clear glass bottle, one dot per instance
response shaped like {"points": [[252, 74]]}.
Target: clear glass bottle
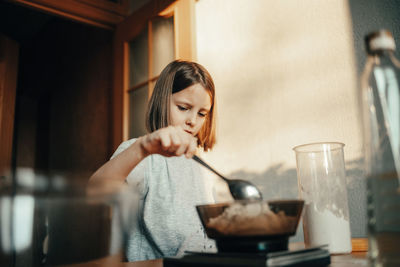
{"points": [[380, 97]]}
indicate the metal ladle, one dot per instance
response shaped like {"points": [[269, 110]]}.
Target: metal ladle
{"points": [[240, 189]]}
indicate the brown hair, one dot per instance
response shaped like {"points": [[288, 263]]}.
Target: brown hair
{"points": [[175, 77]]}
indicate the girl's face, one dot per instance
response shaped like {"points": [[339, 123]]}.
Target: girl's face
{"points": [[189, 108]]}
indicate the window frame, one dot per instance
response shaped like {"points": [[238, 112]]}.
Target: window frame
{"points": [[184, 46]]}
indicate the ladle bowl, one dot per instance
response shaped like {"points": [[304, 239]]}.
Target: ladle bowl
{"points": [[240, 189]]}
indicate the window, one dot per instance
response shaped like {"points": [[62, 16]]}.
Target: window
{"points": [[149, 53], [144, 44]]}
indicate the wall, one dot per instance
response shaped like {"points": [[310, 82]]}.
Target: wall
{"points": [[286, 74]]}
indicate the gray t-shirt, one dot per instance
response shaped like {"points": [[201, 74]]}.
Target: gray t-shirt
{"points": [[167, 224]]}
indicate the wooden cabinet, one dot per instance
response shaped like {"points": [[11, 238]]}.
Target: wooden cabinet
{"points": [[9, 52], [100, 13]]}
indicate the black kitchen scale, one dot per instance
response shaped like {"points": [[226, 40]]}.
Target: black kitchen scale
{"points": [[316, 256]]}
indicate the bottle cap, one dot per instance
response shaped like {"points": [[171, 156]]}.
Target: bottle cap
{"points": [[380, 40]]}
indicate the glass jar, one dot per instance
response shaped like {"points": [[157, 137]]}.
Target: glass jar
{"points": [[380, 102]]}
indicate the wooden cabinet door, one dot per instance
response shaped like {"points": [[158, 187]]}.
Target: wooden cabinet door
{"points": [[9, 51], [100, 13]]}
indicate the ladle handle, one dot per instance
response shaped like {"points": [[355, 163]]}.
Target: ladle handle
{"points": [[199, 160]]}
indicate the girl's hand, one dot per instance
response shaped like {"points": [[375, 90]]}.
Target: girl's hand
{"points": [[169, 141]]}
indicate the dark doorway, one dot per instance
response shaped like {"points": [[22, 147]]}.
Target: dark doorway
{"points": [[61, 123], [62, 113]]}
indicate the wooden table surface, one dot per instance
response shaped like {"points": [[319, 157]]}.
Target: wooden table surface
{"points": [[351, 260], [355, 259]]}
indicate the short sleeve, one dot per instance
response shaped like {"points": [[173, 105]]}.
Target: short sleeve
{"points": [[123, 146], [137, 176]]}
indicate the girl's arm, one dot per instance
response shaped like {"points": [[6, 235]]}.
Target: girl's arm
{"points": [[169, 141]]}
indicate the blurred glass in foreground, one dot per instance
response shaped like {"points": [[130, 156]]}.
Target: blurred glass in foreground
{"points": [[56, 219], [380, 104]]}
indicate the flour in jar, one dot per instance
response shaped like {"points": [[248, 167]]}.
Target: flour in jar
{"points": [[252, 219]]}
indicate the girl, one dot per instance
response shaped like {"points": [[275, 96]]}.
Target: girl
{"points": [[180, 118]]}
